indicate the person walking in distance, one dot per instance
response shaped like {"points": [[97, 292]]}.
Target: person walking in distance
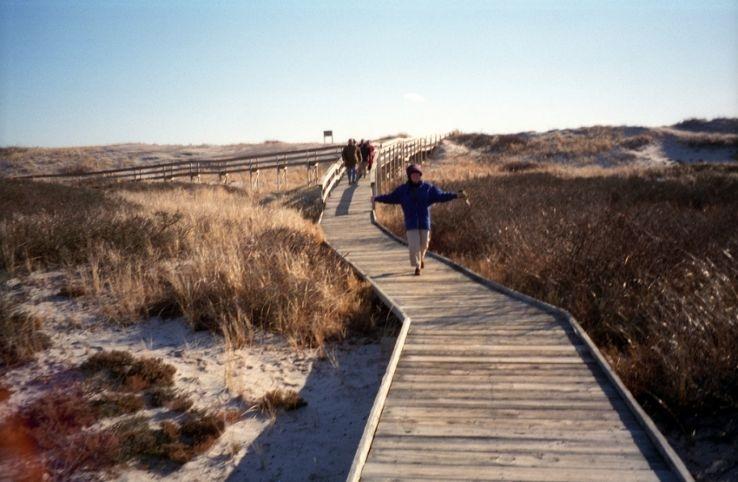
{"points": [[364, 148], [416, 197], [351, 156], [368, 155]]}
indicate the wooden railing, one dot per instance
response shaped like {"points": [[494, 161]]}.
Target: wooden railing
{"points": [[195, 168], [393, 158], [389, 163], [330, 178]]}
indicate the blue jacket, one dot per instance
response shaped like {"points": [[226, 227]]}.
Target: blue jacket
{"points": [[416, 202]]}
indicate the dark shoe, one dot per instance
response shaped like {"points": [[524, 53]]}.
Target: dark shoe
{"points": [[422, 263], [417, 271]]}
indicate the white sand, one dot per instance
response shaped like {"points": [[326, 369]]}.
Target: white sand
{"points": [[316, 442]]}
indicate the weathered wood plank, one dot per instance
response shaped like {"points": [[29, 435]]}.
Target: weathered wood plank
{"points": [[414, 393], [499, 367], [473, 349], [388, 471], [633, 461], [552, 388], [526, 425], [481, 413], [572, 360], [494, 336], [436, 400], [490, 429], [510, 445], [476, 378]]}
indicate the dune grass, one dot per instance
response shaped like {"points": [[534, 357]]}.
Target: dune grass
{"points": [[726, 125], [572, 146], [645, 260], [210, 254], [21, 333], [600, 145], [279, 399]]}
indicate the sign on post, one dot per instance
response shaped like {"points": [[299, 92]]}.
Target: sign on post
{"points": [[327, 134]]}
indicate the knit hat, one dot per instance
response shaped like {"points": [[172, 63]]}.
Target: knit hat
{"points": [[413, 168]]}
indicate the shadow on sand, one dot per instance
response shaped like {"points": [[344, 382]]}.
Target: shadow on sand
{"points": [[318, 441]]}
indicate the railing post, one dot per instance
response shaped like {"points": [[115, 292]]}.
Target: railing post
{"points": [[400, 160], [284, 171], [254, 176], [377, 176], [315, 167], [377, 166]]}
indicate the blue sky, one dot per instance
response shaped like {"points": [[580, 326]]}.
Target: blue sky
{"points": [[101, 72]]}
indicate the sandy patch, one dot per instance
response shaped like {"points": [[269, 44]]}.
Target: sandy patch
{"points": [[316, 442]]}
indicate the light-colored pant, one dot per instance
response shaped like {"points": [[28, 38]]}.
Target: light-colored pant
{"points": [[417, 241]]}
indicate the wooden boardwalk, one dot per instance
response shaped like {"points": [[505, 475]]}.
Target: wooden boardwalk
{"points": [[484, 385]]}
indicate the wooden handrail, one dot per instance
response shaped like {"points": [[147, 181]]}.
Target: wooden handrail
{"points": [[390, 158], [393, 157], [293, 157]]}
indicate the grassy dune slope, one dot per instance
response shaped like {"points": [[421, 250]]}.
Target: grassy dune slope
{"points": [[208, 253]]}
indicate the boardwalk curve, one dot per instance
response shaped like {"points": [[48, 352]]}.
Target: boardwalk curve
{"points": [[485, 383]]}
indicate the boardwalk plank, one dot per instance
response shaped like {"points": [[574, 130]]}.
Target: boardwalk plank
{"points": [[493, 377], [481, 413], [384, 471], [514, 403], [502, 445], [514, 459], [491, 429]]}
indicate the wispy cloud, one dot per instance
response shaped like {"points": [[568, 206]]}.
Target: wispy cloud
{"points": [[414, 97]]}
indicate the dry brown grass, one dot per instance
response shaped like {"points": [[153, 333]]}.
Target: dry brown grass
{"points": [[167, 397], [177, 441], [50, 436], [122, 371], [173, 441], [577, 143], [725, 125], [572, 147], [115, 404], [644, 259], [21, 335], [710, 141], [208, 253], [58, 434], [279, 399], [270, 182]]}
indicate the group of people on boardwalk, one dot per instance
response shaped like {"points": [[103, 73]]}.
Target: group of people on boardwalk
{"points": [[414, 196], [358, 159]]}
